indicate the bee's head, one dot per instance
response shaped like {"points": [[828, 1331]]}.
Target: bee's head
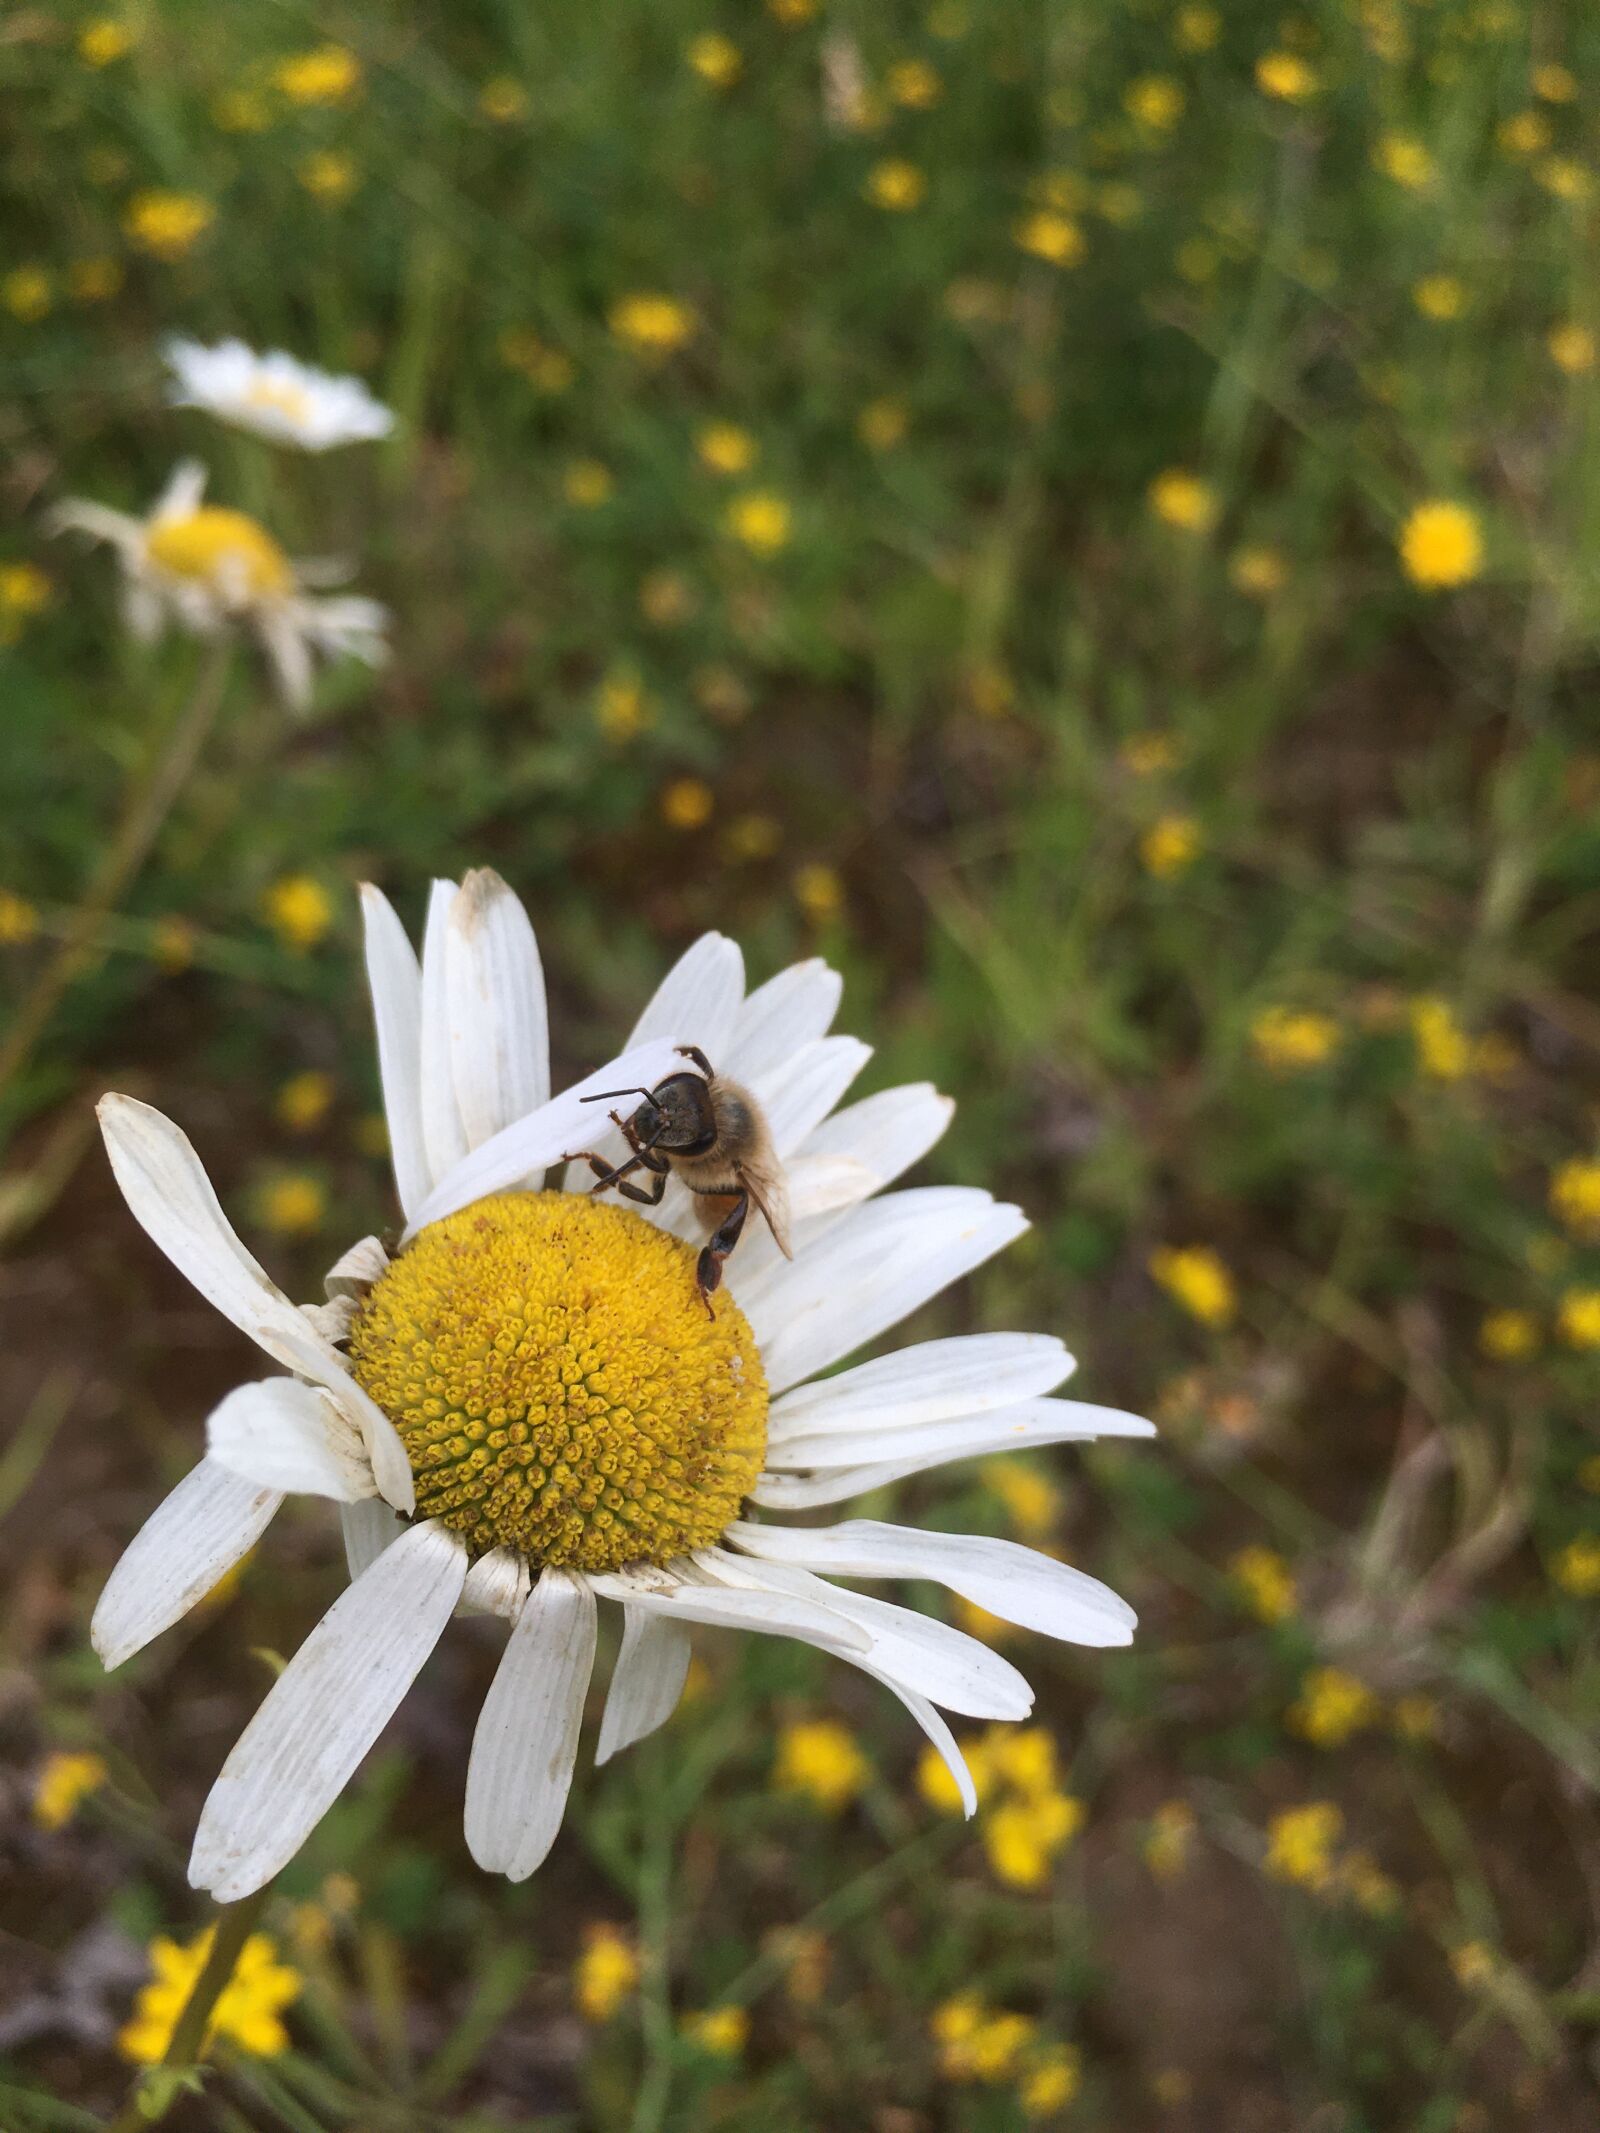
{"points": [[676, 1116]]}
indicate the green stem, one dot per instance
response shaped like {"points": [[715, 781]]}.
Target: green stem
{"points": [[148, 804], [235, 1924]]}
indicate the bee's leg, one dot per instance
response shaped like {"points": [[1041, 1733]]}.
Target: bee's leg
{"points": [[708, 1268], [641, 1193], [604, 1171], [693, 1051], [628, 1130]]}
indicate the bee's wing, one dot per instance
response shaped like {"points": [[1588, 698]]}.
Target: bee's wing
{"points": [[764, 1181]]}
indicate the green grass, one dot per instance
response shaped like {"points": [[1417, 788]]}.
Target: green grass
{"points": [[942, 693]]}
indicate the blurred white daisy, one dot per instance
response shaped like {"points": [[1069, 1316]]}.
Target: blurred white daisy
{"points": [[211, 569], [527, 1409], [274, 395]]}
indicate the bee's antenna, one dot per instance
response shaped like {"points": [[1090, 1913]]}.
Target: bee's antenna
{"points": [[601, 1096]]}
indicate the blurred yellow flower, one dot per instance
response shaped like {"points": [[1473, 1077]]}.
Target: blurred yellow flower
{"points": [[1474, 1964], [718, 2031], [760, 520], [651, 321], [172, 944], [1170, 845], [977, 2042], [1509, 1336], [1023, 1837], [820, 1759], [1287, 1039], [1578, 1318], [1369, 1888], [1258, 571], [620, 707], [1441, 544], [64, 1781], [328, 176], [94, 280], [806, 1958], [1577, 1568], [1023, 1757], [1441, 297], [330, 74], [241, 111], [725, 448], [819, 892], [105, 40], [1050, 2080], [248, 2011], [1197, 259], [1051, 236], [299, 910], [1566, 179], [1197, 1281], [304, 1100], [665, 598], [881, 424], [25, 591], [293, 1204], [792, 13], [1525, 133], [1402, 157], [503, 100], [749, 837], [1300, 1843], [1286, 76], [588, 483], [19, 919], [26, 293], [1575, 1195], [1265, 1582], [687, 803], [896, 185], [1196, 29], [1333, 1706], [716, 59], [1031, 1499], [1155, 101], [1444, 1051], [1146, 755], [913, 84], [1169, 1839], [606, 1972], [1572, 349], [1179, 498], [1555, 83]]}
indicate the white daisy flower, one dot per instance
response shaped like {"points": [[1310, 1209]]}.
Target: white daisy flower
{"points": [[274, 395], [527, 1408], [211, 569]]}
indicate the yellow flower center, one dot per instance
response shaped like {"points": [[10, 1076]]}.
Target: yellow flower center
{"points": [[223, 548], [558, 1385], [282, 398]]}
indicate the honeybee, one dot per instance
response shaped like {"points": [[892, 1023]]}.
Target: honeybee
{"points": [[711, 1133]]}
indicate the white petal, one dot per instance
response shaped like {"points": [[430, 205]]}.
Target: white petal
{"points": [[798, 1094], [499, 1036], [1026, 1422], [872, 1268], [188, 1542], [497, 1584], [930, 1382], [396, 985], [355, 1272], [324, 1712], [391, 1469], [1018, 1584], [646, 1681], [773, 1613], [790, 1010], [369, 1528], [443, 1134], [186, 485], [534, 1143], [887, 1132], [171, 1199], [932, 1723], [925, 1656], [283, 1435], [527, 1738], [826, 1184]]}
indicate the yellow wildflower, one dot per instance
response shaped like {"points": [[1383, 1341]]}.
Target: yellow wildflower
{"points": [[1155, 101], [718, 2031], [105, 40], [686, 804], [19, 919], [1406, 160], [588, 483], [1441, 297], [1147, 754], [293, 1204], [1474, 1964], [248, 2011], [1367, 1885], [806, 1958], [1564, 178], [1300, 1843], [1196, 29], [1575, 1196], [716, 59], [1286, 76], [881, 424], [503, 100], [1333, 1706], [1443, 1049], [652, 322], [1032, 1500], [299, 910], [1287, 1040], [938, 1787], [1572, 349], [1441, 544], [1022, 1837], [666, 597], [1525, 133], [62, 1783], [1050, 2081], [1170, 845], [913, 84], [1509, 1336], [1051, 236], [1589, 1474], [1179, 498], [819, 892], [328, 75], [791, 13], [725, 448], [1258, 571], [819, 1759], [606, 1972], [304, 1100], [25, 591], [167, 224], [241, 111], [1023, 1757], [1555, 83], [761, 520], [328, 176], [749, 837], [26, 293], [1197, 1280], [1265, 1582], [896, 185], [620, 708], [1577, 1567], [1170, 1839]]}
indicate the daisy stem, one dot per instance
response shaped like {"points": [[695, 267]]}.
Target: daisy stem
{"points": [[149, 801], [235, 1923]]}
